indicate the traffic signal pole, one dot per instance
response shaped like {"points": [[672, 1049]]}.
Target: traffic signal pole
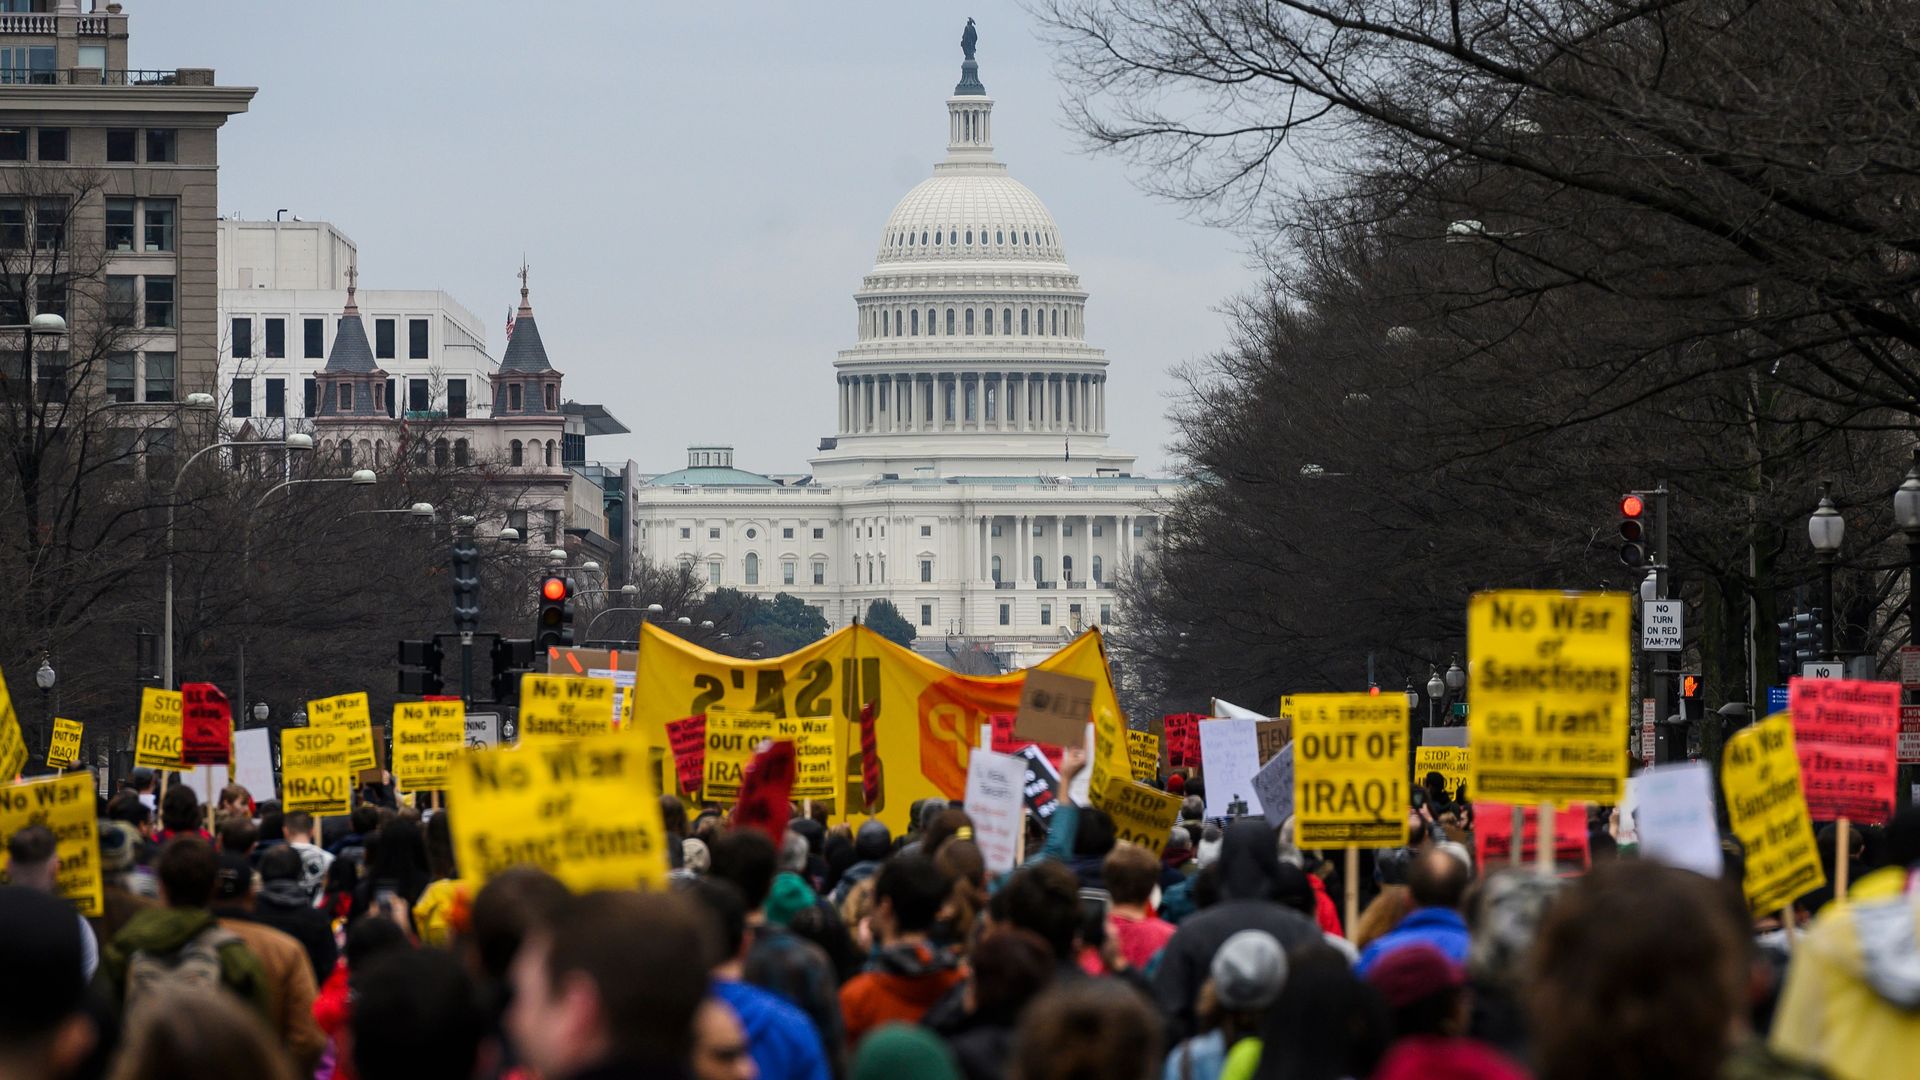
{"points": [[463, 564], [1666, 732]]}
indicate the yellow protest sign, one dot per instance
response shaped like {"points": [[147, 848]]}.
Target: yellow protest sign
{"points": [[315, 773], [1549, 721], [1768, 812], [426, 736], [64, 748], [1141, 814], [1449, 761], [1349, 770], [347, 713], [564, 707], [733, 737], [159, 739], [66, 805], [1143, 752], [13, 745], [586, 811]]}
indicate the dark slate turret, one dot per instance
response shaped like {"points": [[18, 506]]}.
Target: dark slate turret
{"points": [[527, 383], [351, 384]]}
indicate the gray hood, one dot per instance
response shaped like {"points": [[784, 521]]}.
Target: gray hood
{"points": [[1889, 935]]}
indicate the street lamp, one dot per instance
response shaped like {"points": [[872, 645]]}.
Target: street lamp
{"points": [[1436, 686], [1826, 529], [508, 535], [44, 679], [260, 712]]}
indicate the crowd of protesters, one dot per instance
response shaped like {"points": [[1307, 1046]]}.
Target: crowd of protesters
{"points": [[272, 946]]}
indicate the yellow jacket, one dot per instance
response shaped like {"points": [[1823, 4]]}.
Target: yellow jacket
{"points": [[1852, 996], [433, 912]]}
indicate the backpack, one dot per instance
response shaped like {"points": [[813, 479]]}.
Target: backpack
{"points": [[195, 965]]}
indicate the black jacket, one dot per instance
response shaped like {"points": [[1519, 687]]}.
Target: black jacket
{"points": [[299, 920]]}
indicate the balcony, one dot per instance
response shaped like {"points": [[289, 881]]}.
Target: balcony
{"points": [[1003, 584], [108, 77], [1046, 585]]}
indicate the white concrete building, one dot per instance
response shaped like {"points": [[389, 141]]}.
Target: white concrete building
{"points": [[282, 287], [970, 480]]}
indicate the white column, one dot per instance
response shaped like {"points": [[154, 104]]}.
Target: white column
{"points": [[985, 569], [1021, 528]]}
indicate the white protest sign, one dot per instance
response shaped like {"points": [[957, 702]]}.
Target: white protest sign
{"points": [[253, 763], [996, 801], [1231, 750], [1674, 817], [1663, 626], [1273, 784]]}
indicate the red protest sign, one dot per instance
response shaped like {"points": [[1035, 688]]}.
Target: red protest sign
{"points": [[206, 725], [1183, 740], [1493, 837], [1004, 741], [688, 738], [1845, 731], [870, 787], [765, 791]]}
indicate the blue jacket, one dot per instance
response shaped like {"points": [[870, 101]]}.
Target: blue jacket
{"points": [[781, 1039], [1441, 928]]}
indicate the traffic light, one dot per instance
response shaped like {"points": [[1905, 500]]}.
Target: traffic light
{"points": [[512, 658], [1808, 634], [1633, 530], [420, 668], [463, 563], [555, 625], [1787, 668], [1690, 698]]}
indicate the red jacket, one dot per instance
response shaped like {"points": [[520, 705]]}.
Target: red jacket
{"points": [[900, 984], [1325, 911]]}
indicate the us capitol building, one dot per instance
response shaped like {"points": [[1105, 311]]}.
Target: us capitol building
{"points": [[970, 480]]}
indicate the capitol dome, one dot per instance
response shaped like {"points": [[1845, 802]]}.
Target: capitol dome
{"points": [[971, 213]]}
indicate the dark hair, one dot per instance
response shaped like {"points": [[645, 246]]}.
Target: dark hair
{"points": [[272, 821], [1326, 1023], [369, 936], [724, 902], [127, 807], [1094, 833], [647, 956], [188, 869], [673, 815], [1130, 872], [32, 846], [872, 841], [238, 835], [298, 821], [747, 858], [364, 819], [1043, 898], [440, 860], [415, 1014], [941, 829], [400, 859], [508, 907], [1438, 880], [1010, 966], [915, 888], [281, 863], [1090, 1028], [180, 809], [1633, 965]]}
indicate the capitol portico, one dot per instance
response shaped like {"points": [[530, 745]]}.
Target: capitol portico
{"points": [[969, 479]]}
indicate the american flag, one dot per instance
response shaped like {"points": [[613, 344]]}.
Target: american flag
{"points": [[509, 322]]}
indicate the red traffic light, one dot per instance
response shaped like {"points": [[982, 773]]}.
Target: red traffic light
{"points": [[1690, 686], [1632, 506], [554, 588]]}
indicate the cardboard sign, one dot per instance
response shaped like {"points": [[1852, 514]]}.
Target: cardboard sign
{"points": [[564, 707], [1845, 732], [1768, 812], [1054, 708], [206, 725], [158, 741], [1493, 837], [1673, 817], [1141, 815], [766, 791], [1274, 784], [349, 714], [66, 805], [586, 811], [64, 748], [687, 739], [1350, 770], [1041, 788], [1232, 752], [996, 801], [1271, 735], [1143, 752], [1550, 672], [1451, 762], [1182, 732], [253, 763], [426, 737], [315, 774]]}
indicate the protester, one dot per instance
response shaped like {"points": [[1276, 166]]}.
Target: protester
{"points": [[33, 862], [897, 1051], [436, 908], [362, 823], [578, 1008], [314, 859], [1431, 1010], [180, 815], [396, 867], [124, 888], [237, 834], [1325, 1025], [283, 959], [1246, 976], [416, 1014], [720, 1044], [182, 942], [1044, 898], [777, 960], [280, 901], [1131, 873], [1093, 1028], [1437, 884], [185, 1032], [782, 1039], [127, 809], [45, 1029], [1504, 918], [368, 937], [961, 863], [871, 846], [906, 975], [1007, 969]]}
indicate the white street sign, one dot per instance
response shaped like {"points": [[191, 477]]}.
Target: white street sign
{"points": [[1662, 626], [1823, 669], [483, 730]]}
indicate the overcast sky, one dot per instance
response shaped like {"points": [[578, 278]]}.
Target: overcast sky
{"points": [[698, 187]]}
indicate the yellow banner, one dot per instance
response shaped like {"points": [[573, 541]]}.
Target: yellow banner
{"points": [[160, 734], [1141, 814], [426, 736], [1143, 751], [1549, 720], [564, 707], [1768, 812], [13, 744], [64, 748], [1451, 762], [927, 719], [1349, 770], [587, 811], [315, 773], [66, 805], [347, 713]]}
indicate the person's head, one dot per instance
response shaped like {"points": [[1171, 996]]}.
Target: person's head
{"points": [[238, 834], [1008, 967], [1179, 847], [1640, 970], [720, 1044], [908, 893], [235, 799], [1326, 1023], [117, 843], [1426, 991], [272, 822], [1438, 880], [401, 855], [1043, 898], [1131, 872], [180, 1030], [1096, 1027], [1504, 915], [187, 870], [1193, 808], [746, 858], [364, 819], [1248, 972], [613, 977], [371, 936], [1093, 835], [44, 1027], [415, 1014], [298, 826], [281, 863], [673, 815], [944, 826], [793, 853], [180, 809], [33, 858], [142, 780], [872, 842], [440, 860], [232, 880], [1249, 861], [724, 904], [127, 807], [894, 1051], [505, 910]]}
